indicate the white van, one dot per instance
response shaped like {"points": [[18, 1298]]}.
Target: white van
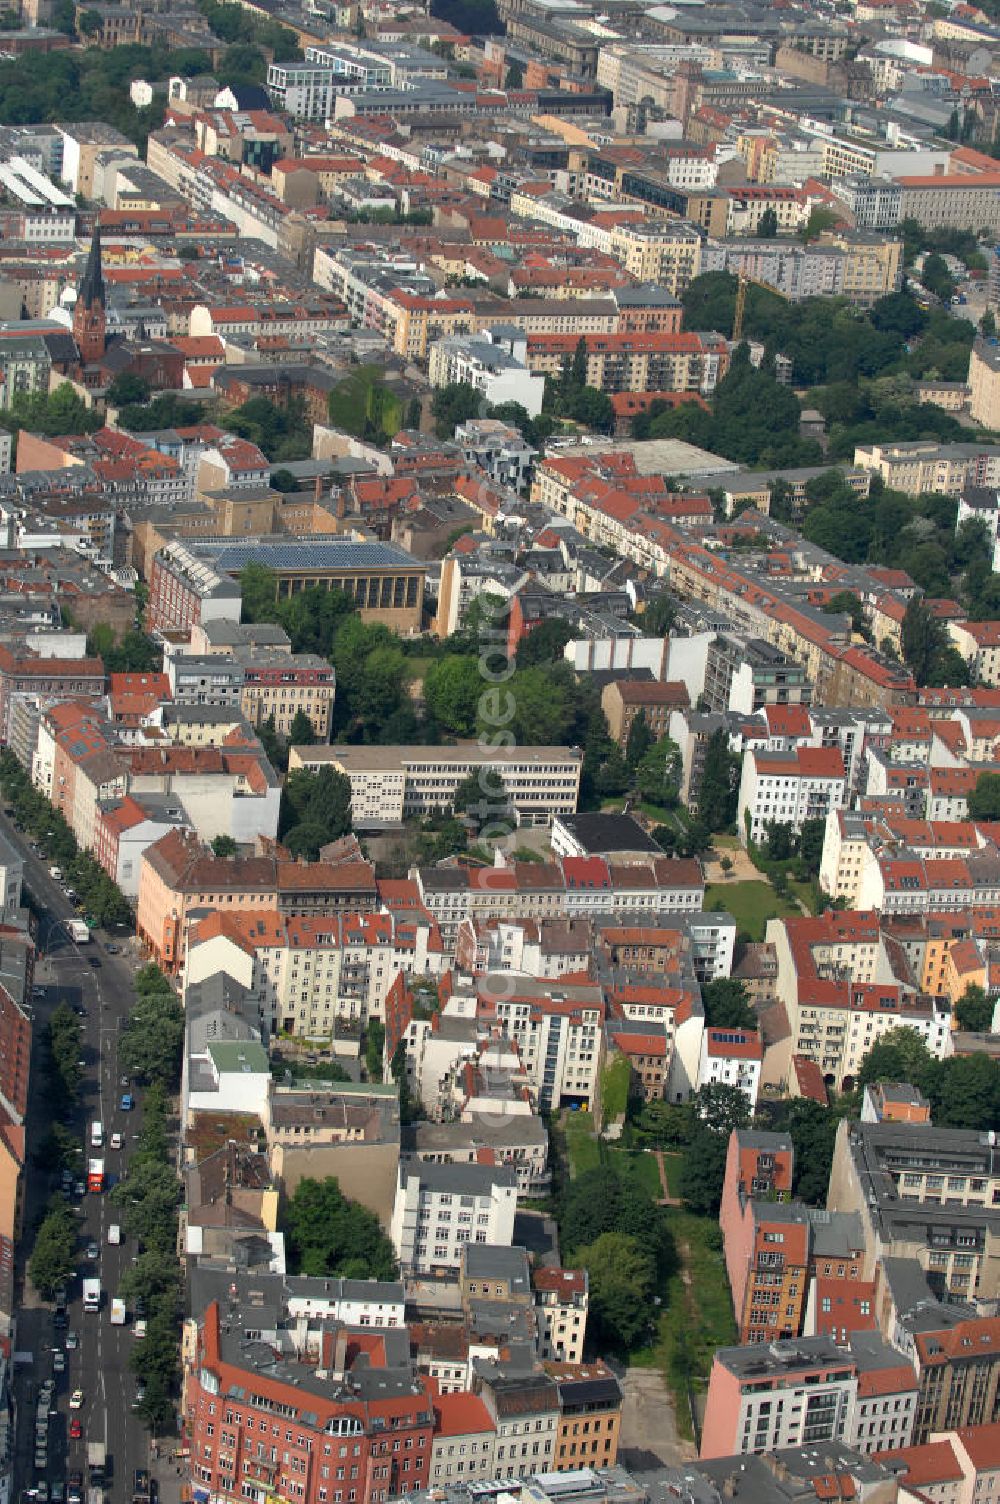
{"points": [[96, 1135], [114, 1234], [56, 872]]}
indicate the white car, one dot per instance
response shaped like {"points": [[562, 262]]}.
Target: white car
{"points": [[116, 1141], [76, 1400]]}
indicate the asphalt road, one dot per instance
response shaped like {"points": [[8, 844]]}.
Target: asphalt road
{"points": [[99, 1365]]}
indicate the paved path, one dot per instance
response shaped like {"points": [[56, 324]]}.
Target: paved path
{"points": [[666, 1199], [649, 1438]]}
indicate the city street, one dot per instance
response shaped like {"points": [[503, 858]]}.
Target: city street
{"points": [[99, 1364]]}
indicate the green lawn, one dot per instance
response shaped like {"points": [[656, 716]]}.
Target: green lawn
{"points": [[672, 1165], [751, 904], [582, 1148], [696, 1316], [640, 1167]]}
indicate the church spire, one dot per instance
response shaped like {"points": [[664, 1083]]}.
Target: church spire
{"points": [[89, 321], [92, 286]]}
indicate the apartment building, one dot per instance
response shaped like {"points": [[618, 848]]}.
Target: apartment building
{"points": [[919, 466], [255, 1423], [952, 200], [637, 362], [925, 1193], [788, 1394], [789, 788], [828, 972], [390, 784], [314, 974], [732, 1057], [561, 1299], [179, 876], [484, 363], [958, 1371], [439, 1208]]}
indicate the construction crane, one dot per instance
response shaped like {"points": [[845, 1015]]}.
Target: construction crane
{"points": [[743, 281]]}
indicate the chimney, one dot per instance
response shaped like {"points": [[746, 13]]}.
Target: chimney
{"points": [[318, 490]]}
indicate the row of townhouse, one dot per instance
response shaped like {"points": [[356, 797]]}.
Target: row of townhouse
{"points": [[315, 973], [567, 886], [842, 987], [842, 673], [117, 793]]}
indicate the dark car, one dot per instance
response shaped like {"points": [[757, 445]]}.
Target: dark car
{"points": [[95, 961]]}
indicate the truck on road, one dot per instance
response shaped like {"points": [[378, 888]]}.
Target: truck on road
{"points": [[97, 1462], [79, 931], [140, 1487], [91, 1295], [95, 1175], [117, 1313]]}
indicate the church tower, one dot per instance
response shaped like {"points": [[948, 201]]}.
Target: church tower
{"points": [[89, 320]]}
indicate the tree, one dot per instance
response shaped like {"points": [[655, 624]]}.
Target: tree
{"points": [[659, 615], [923, 638], [224, 846], [640, 740], [718, 795], [813, 1131], [148, 1198], [515, 75], [819, 222], [300, 732], [984, 799], [849, 604], [151, 1043], [812, 836], [937, 279], [52, 1258], [127, 387], [900, 1055], [374, 1048], [622, 1277], [768, 227], [600, 1201], [329, 1235], [544, 643], [974, 1010], [727, 1005], [657, 775], [453, 687], [452, 405], [284, 481], [965, 1093], [988, 324], [720, 1108], [703, 1172], [315, 809]]}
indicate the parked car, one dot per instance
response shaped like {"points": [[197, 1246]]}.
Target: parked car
{"points": [[72, 1340], [58, 1360], [76, 1400], [93, 1251]]}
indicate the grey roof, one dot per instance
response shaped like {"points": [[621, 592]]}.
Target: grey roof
{"points": [[491, 1261], [601, 834], [306, 554], [463, 1180]]}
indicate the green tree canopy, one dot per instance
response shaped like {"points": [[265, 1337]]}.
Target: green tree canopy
{"points": [[974, 1010], [622, 1277], [984, 800], [727, 1005], [329, 1235]]}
